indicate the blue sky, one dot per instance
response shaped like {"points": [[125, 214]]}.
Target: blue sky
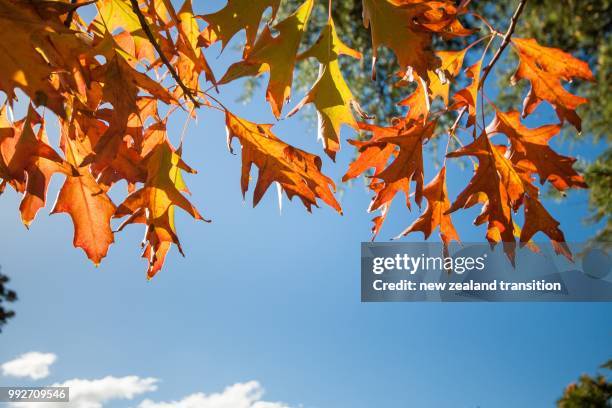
{"points": [[275, 298]]}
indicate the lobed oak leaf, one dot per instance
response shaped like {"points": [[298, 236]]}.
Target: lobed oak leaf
{"points": [[237, 15], [276, 54], [20, 148], [27, 162], [154, 203], [122, 87], [39, 174], [437, 85], [468, 96], [406, 167], [87, 204], [497, 185], [191, 62], [45, 63], [435, 215], [119, 14], [418, 103], [538, 219], [545, 68], [404, 143], [407, 28], [373, 153], [330, 94], [451, 63], [297, 172], [530, 150]]}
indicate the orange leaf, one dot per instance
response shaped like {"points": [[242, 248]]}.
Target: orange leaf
{"points": [[406, 143], [545, 68], [154, 203], [297, 172], [497, 184], [88, 206], [538, 219], [468, 96], [406, 27], [435, 215], [530, 150]]}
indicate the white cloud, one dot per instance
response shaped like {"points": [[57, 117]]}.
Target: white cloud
{"points": [[240, 395], [94, 393], [34, 365]]}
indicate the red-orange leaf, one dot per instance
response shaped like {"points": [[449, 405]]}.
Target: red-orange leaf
{"points": [[538, 219], [497, 185], [407, 28], [468, 96], [435, 215], [545, 68], [405, 142], [530, 150]]}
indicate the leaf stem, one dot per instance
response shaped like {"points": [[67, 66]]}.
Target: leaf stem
{"points": [[162, 56], [505, 41]]}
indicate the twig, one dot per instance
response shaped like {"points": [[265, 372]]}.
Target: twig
{"points": [[162, 56], [70, 15], [505, 41]]}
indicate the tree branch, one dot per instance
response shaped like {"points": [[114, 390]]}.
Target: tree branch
{"points": [[162, 56], [504, 43], [70, 15]]}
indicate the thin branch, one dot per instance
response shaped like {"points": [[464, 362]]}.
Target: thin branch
{"points": [[70, 15], [505, 41], [162, 56]]}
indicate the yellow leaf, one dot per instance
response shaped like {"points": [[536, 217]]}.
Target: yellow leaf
{"points": [[276, 55], [330, 94], [237, 15]]}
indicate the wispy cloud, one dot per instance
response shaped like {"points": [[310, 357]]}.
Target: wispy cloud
{"points": [[240, 395], [32, 365]]}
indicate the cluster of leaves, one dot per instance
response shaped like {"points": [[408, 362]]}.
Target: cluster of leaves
{"points": [[103, 81], [580, 28], [6, 296], [595, 392]]}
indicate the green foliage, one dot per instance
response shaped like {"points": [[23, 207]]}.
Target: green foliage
{"points": [[6, 295], [599, 178], [588, 392]]}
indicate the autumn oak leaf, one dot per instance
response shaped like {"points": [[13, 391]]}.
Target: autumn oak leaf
{"points": [[297, 172], [545, 68], [330, 94], [407, 28], [237, 15], [530, 150], [276, 54], [154, 204], [435, 215]]}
